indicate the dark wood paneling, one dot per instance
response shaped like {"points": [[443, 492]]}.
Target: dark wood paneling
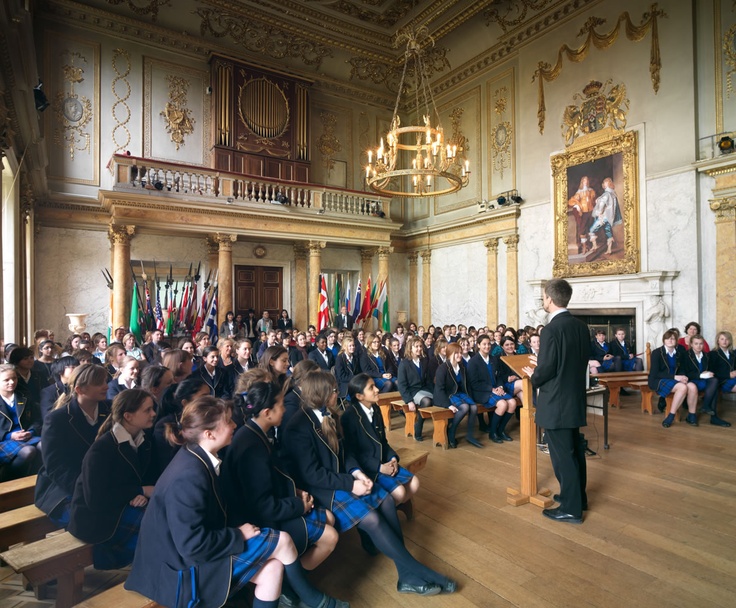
{"points": [[259, 288]]}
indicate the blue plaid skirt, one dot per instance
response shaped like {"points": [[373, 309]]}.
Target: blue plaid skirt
{"points": [[460, 398], [349, 509], [117, 552], [305, 530], [629, 365], [389, 483], [494, 399], [509, 387], [607, 365], [728, 385], [257, 552], [665, 387], [9, 448]]}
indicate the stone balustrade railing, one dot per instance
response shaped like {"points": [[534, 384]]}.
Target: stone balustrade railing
{"points": [[193, 182]]}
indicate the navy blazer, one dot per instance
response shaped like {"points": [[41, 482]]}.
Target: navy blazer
{"points": [[296, 355], [344, 372], [690, 365], [722, 366], [29, 416], [561, 373], [391, 363], [49, 395], [114, 388], [660, 369], [365, 440], [411, 379], [66, 437], [184, 531], [480, 382], [221, 386], [317, 357], [317, 468], [257, 490], [597, 352], [112, 475], [617, 351], [369, 366], [446, 385]]}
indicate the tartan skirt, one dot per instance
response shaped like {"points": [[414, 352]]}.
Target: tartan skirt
{"points": [[389, 483], [460, 398], [509, 387], [349, 510], [9, 448], [494, 399], [665, 387], [607, 365], [728, 385], [257, 552], [117, 551], [629, 365], [305, 530]]}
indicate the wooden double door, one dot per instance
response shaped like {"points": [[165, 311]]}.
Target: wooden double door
{"points": [[260, 288]]}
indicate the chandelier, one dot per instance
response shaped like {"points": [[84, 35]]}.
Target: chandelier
{"points": [[416, 160]]}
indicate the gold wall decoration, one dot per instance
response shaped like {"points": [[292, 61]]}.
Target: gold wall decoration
{"points": [[143, 7], [121, 91], [179, 121], [501, 116], [328, 144], [73, 112], [729, 51], [261, 38], [503, 132], [596, 200], [549, 73], [6, 131], [514, 14], [597, 109]]}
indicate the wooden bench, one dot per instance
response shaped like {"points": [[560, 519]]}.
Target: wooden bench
{"points": [[413, 461], [615, 381], [24, 524], [119, 597], [646, 399], [384, 403], [61, 557], [17, 493], [439, 416]]}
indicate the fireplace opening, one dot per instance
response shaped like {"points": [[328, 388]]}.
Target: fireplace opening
{"points": [[609, 319]]}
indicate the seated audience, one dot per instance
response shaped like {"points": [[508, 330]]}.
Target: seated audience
{"points": [[699, 371], [724, 362], [692, 329], [600, 352], [372, 363], [20, 427], [127, 377], [623, 349]]}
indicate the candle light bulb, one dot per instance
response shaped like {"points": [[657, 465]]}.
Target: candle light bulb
{"points": [[370, 156], [467, 166]]}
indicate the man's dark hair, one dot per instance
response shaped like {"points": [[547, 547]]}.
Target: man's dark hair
{"points": [[559, 291]]}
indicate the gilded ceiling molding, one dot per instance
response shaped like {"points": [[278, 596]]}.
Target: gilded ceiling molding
{"points": [[264, 39], [434, 59], [549, 73], [515, 12], [121, 91], [729, 52], [470, 10], [150, 7]]}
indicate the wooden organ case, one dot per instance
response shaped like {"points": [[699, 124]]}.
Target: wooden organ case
{"points": [[261, 121]]}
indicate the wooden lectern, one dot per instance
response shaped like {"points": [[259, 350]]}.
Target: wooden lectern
{"points": [[528, 492]]}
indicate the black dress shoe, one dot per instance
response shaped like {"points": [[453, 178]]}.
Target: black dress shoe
{"points": [[451, 443], [495, 438], [623, 392], [556, 498], [425, 589], [419, 438], [558, 515], [474, 441], [708, 411], [505, 437], [450, 586], [692, 420], [718, 421], [661, 404]]}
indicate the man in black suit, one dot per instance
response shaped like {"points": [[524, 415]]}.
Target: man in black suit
{"points": [[344, 320], [560, 376]]}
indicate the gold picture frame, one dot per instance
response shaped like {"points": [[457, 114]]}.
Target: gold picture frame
{"points": [[597, 223]]}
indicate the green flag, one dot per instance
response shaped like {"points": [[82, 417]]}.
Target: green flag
{"points": [[135, 314], [336, 306]]}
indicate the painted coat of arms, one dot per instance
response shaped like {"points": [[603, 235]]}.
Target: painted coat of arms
{"points": [[601, 105]]}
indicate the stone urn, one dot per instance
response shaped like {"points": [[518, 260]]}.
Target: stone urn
{"points": [[77, 322]]}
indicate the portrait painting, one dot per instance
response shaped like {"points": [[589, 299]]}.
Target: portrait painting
{"points": [[597, 208]]}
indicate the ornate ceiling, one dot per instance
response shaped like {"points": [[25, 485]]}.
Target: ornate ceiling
{"points": [[342, 44]]}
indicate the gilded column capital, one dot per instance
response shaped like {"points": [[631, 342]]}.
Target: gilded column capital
{"points": [[367, 254], [426, 255], [384, 252], [315, 246], [120, 235], [225, 241], [300, 251], [512, 242], [724, 208], [413, 257], [491, 245]]}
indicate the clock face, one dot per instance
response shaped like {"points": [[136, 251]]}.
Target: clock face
{"points": [[73, 109]]}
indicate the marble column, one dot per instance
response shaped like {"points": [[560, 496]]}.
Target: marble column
{"points": [[366, 266], [300, 312], [315, 268], [413, 287], [512, 280], [426, 288], [213, 255], [384, 254], [491, 282], [725, 210], [224, 274], [120, 237]]}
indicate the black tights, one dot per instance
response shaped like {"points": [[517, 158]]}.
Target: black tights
{"points": [[710, 395], [419, 421], [26, 462], [388, 386], [384, 529], [463, 409]]}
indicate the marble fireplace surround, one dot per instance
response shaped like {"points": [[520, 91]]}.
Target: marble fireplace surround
{"points": [[648, 293]]}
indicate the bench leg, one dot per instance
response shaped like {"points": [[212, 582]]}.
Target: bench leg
{"points": [[439, 437], [613, 396], [386, 415], [69, 589], [409, 424], [646, 400]]}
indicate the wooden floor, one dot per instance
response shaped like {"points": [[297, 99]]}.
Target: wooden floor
{"points": [[661, 529]]}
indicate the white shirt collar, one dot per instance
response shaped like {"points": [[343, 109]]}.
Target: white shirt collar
{"points": [[698, 356], [319, 415], [92, 420], [216, 462], [368, 412], [485, 358], [10, 402], [122, 435], [555, 313]]}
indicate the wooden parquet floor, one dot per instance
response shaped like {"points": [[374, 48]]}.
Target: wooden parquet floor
{"points": [[660, 532]]}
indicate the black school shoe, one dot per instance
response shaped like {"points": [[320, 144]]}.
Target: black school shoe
{"points": [[424, 589]]}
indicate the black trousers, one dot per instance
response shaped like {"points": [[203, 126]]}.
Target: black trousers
{"points": [[567, 452]]}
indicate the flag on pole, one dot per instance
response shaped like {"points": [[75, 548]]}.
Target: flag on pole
{"points": [[365, 310], [377, 304], [135, 313], [150, 317], [323, 317], [374, 299], [212, 319], [336, 305], [356, 305], [170, 316], [158, 313], [347, 297], [385, 322]]}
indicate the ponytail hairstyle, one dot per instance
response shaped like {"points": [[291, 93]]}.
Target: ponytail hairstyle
{"points": [[357, 385], [260, 396], [318, 388], [202, 414], [174, 359], [301, 369], [185, 391], [128, 401], [247, 379], [82, 377]]}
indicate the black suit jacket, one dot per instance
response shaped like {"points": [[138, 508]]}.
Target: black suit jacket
{"points": [[446, 385], [597, 352], [722, 366], [366, 440], [480, 382], [222, 385], [343, 324], [317, 357], [660, 369], [617, 351], [692, 369], [49, 395], [561, 373], [392, 363], [344, 372]]}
